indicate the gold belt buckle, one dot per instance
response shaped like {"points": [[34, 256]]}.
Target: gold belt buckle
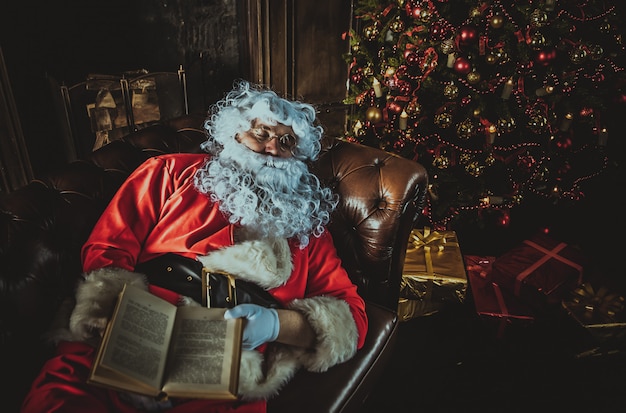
{"points": [[206, 288]]}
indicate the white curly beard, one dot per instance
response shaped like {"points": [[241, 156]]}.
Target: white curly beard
{"points": [[270, 196]]}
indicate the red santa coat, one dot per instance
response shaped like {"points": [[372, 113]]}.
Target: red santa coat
{"points": [[159, 210]]}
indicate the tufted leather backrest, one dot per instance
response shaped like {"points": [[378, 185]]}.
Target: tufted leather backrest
{"points": [[44, 224], [381, 196]]}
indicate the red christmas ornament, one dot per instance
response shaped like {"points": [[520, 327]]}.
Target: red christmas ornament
{"points": [[399, 144], [401, 71], [564, 169], [356, 77], [598, 77], [394, 107], [505, 219], [563, 142], [412, 59], [584, 112], [436, 30], [462, 66], [545, 57], [525, 163], [467, 34], [404, 87]]}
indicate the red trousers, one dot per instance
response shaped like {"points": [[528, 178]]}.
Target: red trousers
{"points": [[61, 387]]}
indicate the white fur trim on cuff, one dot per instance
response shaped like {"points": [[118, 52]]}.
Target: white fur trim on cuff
{"points": [[335, 330], [96, 297]]}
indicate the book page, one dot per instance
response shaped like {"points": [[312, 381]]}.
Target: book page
{"points": [[140, 334], [204, 354]]}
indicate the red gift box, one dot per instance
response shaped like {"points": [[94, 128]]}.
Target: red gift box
{"points": [[491, 302], [539, 271]]}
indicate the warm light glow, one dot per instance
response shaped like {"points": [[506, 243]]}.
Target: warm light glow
{"points": [[508, 88], [566, 122], [542, 91], [603, 137]]}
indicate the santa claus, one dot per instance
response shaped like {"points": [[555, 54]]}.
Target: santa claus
{"points": [[250, 207]]}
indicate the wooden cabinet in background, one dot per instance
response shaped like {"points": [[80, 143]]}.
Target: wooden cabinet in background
{"points": [[15, 168], [297, 48]]}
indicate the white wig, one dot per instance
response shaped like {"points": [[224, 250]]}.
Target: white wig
{"points": [[270, 196], [234, 114]]}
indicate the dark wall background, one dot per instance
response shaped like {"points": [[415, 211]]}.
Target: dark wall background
{"points": [[65, 41]]}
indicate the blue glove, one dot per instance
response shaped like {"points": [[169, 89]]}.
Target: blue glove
{"points": [[262, 324]]}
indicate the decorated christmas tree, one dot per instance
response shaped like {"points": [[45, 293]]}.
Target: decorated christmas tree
{"points": [[500, 100]]}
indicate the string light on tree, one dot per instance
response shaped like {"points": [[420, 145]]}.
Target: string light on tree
{"points": [[492, 97]]}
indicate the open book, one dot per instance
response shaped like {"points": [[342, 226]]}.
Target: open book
{"points": [[157, 349]]}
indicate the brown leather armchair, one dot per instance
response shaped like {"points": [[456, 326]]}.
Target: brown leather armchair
{"points": [[44, 224]]}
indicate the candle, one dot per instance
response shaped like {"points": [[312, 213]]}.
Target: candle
{"points": [[508, 88], [603, 137], [377, 90], [566, 122], [492, 134], [492, 200], [451, 59], [542, 91], [404, 117]]}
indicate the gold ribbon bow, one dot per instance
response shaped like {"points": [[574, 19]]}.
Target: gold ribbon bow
{"points": [[430, 241], [601, 306]]}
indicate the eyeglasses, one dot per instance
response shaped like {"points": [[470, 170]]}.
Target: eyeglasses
{"points": [[286, 142]]}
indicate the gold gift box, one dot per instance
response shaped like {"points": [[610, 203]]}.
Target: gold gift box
{"points": [[434, 273], [599, 310]]}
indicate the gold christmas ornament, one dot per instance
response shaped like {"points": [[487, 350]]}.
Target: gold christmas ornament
{"points": [[490, 160], [390, 71], [578, 55], [596, 52], [443, 120], [538, 18], [447, 46], [475, 12], [537, 40], [373, 115], [496, 21], [441, 162], [466, 129], [371, 32], [464, 158], [537, 123], [491, 58], [451, 91], [425, 15], [473, 77], [506, 125], [502, 55], [413, 108], [396, 25], [474, 169]]}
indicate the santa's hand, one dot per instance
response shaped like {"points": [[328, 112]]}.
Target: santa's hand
{"points": [[262, 324]]}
